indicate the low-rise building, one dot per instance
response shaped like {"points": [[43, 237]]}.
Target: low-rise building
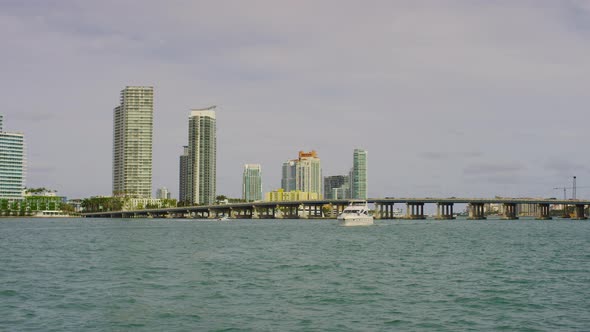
{"points": [[293, 195]]}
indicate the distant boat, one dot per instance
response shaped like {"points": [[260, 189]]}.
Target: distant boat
{"points": [[356, 214], [223, 218], [398, 213], [51, 214]]}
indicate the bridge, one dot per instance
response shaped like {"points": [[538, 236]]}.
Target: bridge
{"points": [[383, 209]]}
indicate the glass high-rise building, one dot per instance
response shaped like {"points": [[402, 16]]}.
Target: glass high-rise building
{"points": [[358, 175], [252, 183], [202, 154], [12, 164], [132, 142], [183, 186], [289, 175]]}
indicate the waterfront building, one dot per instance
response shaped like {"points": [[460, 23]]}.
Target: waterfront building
{"points": [[12, 164], [202, 154], [163, 193], [183, 177], [132, 142], [358, 176], [287, 196], [289, 175], [252, 183], [336, 187], [303, 174]]}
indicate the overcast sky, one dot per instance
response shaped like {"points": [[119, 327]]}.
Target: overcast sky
{"points": [[450, 98]]}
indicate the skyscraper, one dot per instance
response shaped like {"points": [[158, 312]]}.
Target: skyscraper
{"points": [[132, 142], [12, 165], [252, 183], [303, 174], [289, 175], [183, 186], [309, 173], [358, 176], [202, 154]]}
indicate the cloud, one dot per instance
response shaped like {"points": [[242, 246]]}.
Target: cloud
{"points": [[458, 80]]}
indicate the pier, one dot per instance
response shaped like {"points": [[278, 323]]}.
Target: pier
{"points": [[383, 209]]}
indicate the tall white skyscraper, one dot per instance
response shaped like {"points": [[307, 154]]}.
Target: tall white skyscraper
{"points": [[12, 164], [358, 176], [252, 183], [132, 142], [202, 155]]}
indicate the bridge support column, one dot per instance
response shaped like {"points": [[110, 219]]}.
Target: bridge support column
{"points": [[414, 210], [579, 212], [444, 211], [277, 213], [255, 214], [377, 214], [476, 211], [212, 214], [509, 211], [544, 212]]}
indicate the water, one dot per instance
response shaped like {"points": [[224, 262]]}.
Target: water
{"points": [[288, 275]]}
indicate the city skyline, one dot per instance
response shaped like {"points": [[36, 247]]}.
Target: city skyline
{"points": [[458, 98]]}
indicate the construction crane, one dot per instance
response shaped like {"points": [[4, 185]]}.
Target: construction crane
{"points": [[565, 191]]}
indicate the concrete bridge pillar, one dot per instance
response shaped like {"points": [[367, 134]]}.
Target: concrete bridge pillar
{"points": [[255, 214], [444, 211], [377, 214], [414, 210], [476, 211], [579, 212], [277, 213], [566, 213], [384, 211], [509, 211], [544, 212]]}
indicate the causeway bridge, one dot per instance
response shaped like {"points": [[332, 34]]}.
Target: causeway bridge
{"points": [[383, 209]]}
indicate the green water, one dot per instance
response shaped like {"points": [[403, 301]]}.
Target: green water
{"points": [[289, 275]]}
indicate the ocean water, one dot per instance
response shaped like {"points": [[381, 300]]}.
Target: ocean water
{"points": [[293, 275]]}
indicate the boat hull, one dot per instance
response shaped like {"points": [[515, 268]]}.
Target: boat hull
{"points": [[356, 221]]}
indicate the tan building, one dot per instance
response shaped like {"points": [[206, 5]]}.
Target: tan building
{"points": [[285, 196]]}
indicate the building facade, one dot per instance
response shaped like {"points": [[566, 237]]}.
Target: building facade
{"points": [[289, 175], [252, 183], [132, 142], [12, 165], [303, 174], [336, 187], [183, 186], [287, 196], [163, 193], [202, 154], [358, 175]]}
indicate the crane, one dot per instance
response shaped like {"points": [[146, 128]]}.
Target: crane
{"points": [[565, 190]]}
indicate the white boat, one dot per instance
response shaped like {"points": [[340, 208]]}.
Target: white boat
{"points": [[398, 213], [356, 214], [51, 214], [223, 218]]}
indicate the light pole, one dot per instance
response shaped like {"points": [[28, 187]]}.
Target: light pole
{"points": [[574, 189]]}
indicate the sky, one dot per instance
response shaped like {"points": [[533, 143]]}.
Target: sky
{"points": [[450, 98]]}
